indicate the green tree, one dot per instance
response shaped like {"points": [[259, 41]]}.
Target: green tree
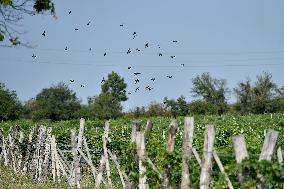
{"points": [[116, 86], [10, 106], [201, 107], [211, 90], [260, 97], [177, 107], [155, 109], [13, 11], [55, 103], [105, 106]]}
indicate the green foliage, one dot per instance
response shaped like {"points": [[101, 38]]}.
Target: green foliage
{"points": [[200, 107], [211, 90], [105, 106], [44, 5], [116, 86], [10, 106], [177, 107], [55, 103], [155, 109]]}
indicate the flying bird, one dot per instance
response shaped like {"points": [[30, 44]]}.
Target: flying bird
{"points": [[88, 23], [103, 80], [136, 81], [137, 73], [90, 49], [137, 49], [129, 67], [72, 80], [182, 65], [173, 57], [76, 29], [169, 76], [129, 93], [43, 34], [34, 56], [128, 51], [175, 41], [149, 88], [105, 54], [66, 48], [69, 12], [134, 35], [146, 45], [121, 25], [83, 85], [160, 54], [137, 89], [153, 79]]}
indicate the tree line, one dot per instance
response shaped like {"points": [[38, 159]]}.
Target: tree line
{"points": [[59, 102]]}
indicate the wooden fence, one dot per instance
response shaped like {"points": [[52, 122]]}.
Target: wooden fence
{"points": [[42, 157]]}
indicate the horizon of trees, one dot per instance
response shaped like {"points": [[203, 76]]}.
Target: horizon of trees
{"points": [[58, 102]]}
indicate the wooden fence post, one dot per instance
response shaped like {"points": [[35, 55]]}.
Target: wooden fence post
{"points": [[136, 126], [269, 145], [279, 155], [73, 177], [78, 157], [241, 153], [207, 157], [105, 141], [141, 152], [28, 151], [46, 154], [148, 129], [170, 148], [187, 151]]}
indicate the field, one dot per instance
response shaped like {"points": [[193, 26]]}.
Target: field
{"points": [[252, 126]]}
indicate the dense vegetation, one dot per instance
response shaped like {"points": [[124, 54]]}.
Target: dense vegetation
{"points": [[58, 102], [252, 126]]}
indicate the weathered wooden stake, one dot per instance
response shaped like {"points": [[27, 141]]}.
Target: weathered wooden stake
{"points": [[166, 183], [279, 155], [187, 151], [241, 153], [148, 129], [269, 145], [221, 167], [105, 141], [46, 154], [100, 172], [118, 168], [205, 180], [141, 152], [136, 126]]}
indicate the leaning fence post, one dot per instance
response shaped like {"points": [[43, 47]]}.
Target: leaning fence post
{"points": [[207, 157], [241, 153], [187, 151], [269, 145], [279, 155], [170, 148], [46, 154], [105, 139], [136, 126], [78, 157]]}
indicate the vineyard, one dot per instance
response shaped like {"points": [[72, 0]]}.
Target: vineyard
{"points": [[115, 140]]}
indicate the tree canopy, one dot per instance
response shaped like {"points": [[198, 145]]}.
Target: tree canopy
{"points": [[10, 106], [211, 90], [13, 11], [55, 103]]}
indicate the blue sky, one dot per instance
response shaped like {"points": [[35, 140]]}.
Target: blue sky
{"points": [[229, 39]]}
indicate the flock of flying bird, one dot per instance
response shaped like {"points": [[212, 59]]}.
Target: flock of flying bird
{"points": [[137, 80]]}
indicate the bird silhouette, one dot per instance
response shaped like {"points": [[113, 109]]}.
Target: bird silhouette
{"points": [[43, 34], [83, 85], [169, 76], [72, 80], [103, 80], [160, 54], [137, 49], [105, 54], [137, 73], [90, 49], [137, 89], [34, 56], [121, 25], [136, 81], [128, 51], [173, 57], [153, 79], [182, 64], [146, 45], [88, 23], [129, 93], [134, 35], [66, 48], [175, 41], [69, 12], [76, 29], [149, 88], [129, 67]]}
